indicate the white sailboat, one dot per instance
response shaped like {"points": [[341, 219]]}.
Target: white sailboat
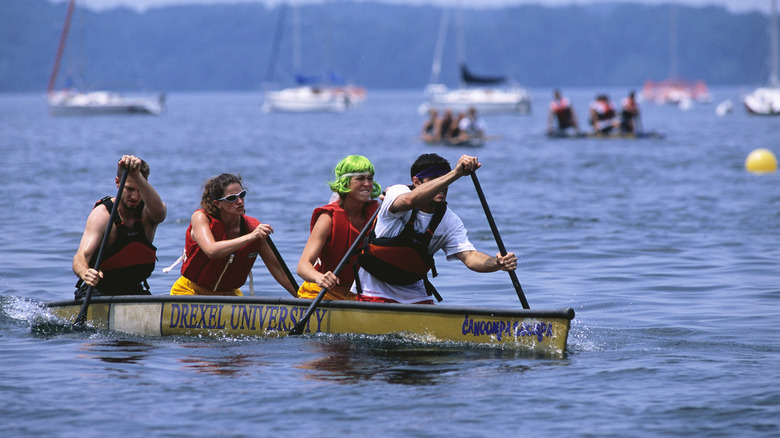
{"points": [[765, 101], [70, 101], [675, 90], [486, 94], [311, 94]]}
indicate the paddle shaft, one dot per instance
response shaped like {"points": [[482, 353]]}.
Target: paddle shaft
{"points": [[81, 318], [499, 242], [298, 329], [281, 262]]}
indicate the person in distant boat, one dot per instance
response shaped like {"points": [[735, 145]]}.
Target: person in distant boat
{"points": [[130, 255], [413, 223], [561, 111], [222, 243], [629, 114], [430, 132], [470, 127], [603, 118], [446, 125], [335, 226]]}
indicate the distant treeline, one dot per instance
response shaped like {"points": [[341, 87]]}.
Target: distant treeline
{"points": [[380, 46]]}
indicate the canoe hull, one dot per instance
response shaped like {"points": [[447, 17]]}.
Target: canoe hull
{"points": [[543, 331]]}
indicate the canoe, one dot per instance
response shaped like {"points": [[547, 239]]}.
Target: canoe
{"points": [[475, 142], [612, 135], [538, 331]]}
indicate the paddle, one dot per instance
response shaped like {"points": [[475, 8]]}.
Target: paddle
{"points": [[298, 329], [281, 262], [499, 242], [81, 318]]}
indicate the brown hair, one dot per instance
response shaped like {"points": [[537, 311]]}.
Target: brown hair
{"points": [[214, 189]]}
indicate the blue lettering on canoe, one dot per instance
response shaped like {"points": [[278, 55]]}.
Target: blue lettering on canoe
{"points": [[196, 316], [242, 317], [499, 329]]}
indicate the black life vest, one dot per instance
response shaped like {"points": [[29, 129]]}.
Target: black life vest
{"points": [[128, 262], [403, 259]]}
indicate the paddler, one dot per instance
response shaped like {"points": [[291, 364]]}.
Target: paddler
{"points": [[562, 111], [603, 117], [222, 243], [413, 223], [335, 226], [130, 256]]}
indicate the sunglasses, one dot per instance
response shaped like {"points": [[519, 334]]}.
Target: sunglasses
{"points": [[234, 197]]}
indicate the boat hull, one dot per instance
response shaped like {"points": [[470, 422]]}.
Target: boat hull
{"points": [[763, 101], [306, 99], [485, 100], [540, 331], [103, 102]]}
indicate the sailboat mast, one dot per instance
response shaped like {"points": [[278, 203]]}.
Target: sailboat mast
{"points": [[461, 38], [61, 47], [269, 75], [436, 67], [672, 41], [296, 39], [773, 80]]}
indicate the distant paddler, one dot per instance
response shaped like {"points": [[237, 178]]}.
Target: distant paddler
{"points": [[603, 117], [470, 128], [129, 255], [563, 113], [335, 226], [222, 243], [629, 115]]}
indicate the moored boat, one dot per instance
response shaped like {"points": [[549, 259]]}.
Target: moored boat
{"points": [[488, 94], [765, 101], [70, 101], [539, 331], [306, 99]]}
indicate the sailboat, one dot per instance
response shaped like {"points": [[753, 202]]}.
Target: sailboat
{"points": [[765, 101], [318, 93], [675, 90], [70, 101], [488, 94]]}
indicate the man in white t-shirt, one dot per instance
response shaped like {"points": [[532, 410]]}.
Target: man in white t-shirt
{"points": [[400, 256]]}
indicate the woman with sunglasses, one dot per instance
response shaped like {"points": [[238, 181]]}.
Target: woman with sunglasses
{"points": [[222, 243], [334, 227]]}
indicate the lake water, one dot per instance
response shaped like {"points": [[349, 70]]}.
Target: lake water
{"points": [[668, 251]]}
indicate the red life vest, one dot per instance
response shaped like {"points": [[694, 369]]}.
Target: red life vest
{"points": [[226, 273], [127, 262], [342, 235], [558, 106], [604, 110]]}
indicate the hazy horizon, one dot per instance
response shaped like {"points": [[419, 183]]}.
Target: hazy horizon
{"points": [[737, 6]]}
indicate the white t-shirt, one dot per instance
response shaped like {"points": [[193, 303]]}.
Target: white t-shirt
{"points": [[450, 235], [471, 126]]}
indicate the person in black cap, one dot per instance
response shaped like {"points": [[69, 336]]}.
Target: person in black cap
{"points": [[413, 223]]}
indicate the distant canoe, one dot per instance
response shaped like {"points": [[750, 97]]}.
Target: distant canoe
{"points": [[612, 135], [538, 331], [475, 142]]}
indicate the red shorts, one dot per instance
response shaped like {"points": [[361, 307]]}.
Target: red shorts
{"points": [[386, 300]]}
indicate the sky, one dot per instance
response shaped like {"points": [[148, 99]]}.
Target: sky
{"points": [[738, 6]]}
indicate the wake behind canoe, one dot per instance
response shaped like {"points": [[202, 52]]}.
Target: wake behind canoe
{"points": [[541, 331]]}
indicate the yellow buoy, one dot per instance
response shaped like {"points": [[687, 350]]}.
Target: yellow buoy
{"points": [[761, 161]]}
